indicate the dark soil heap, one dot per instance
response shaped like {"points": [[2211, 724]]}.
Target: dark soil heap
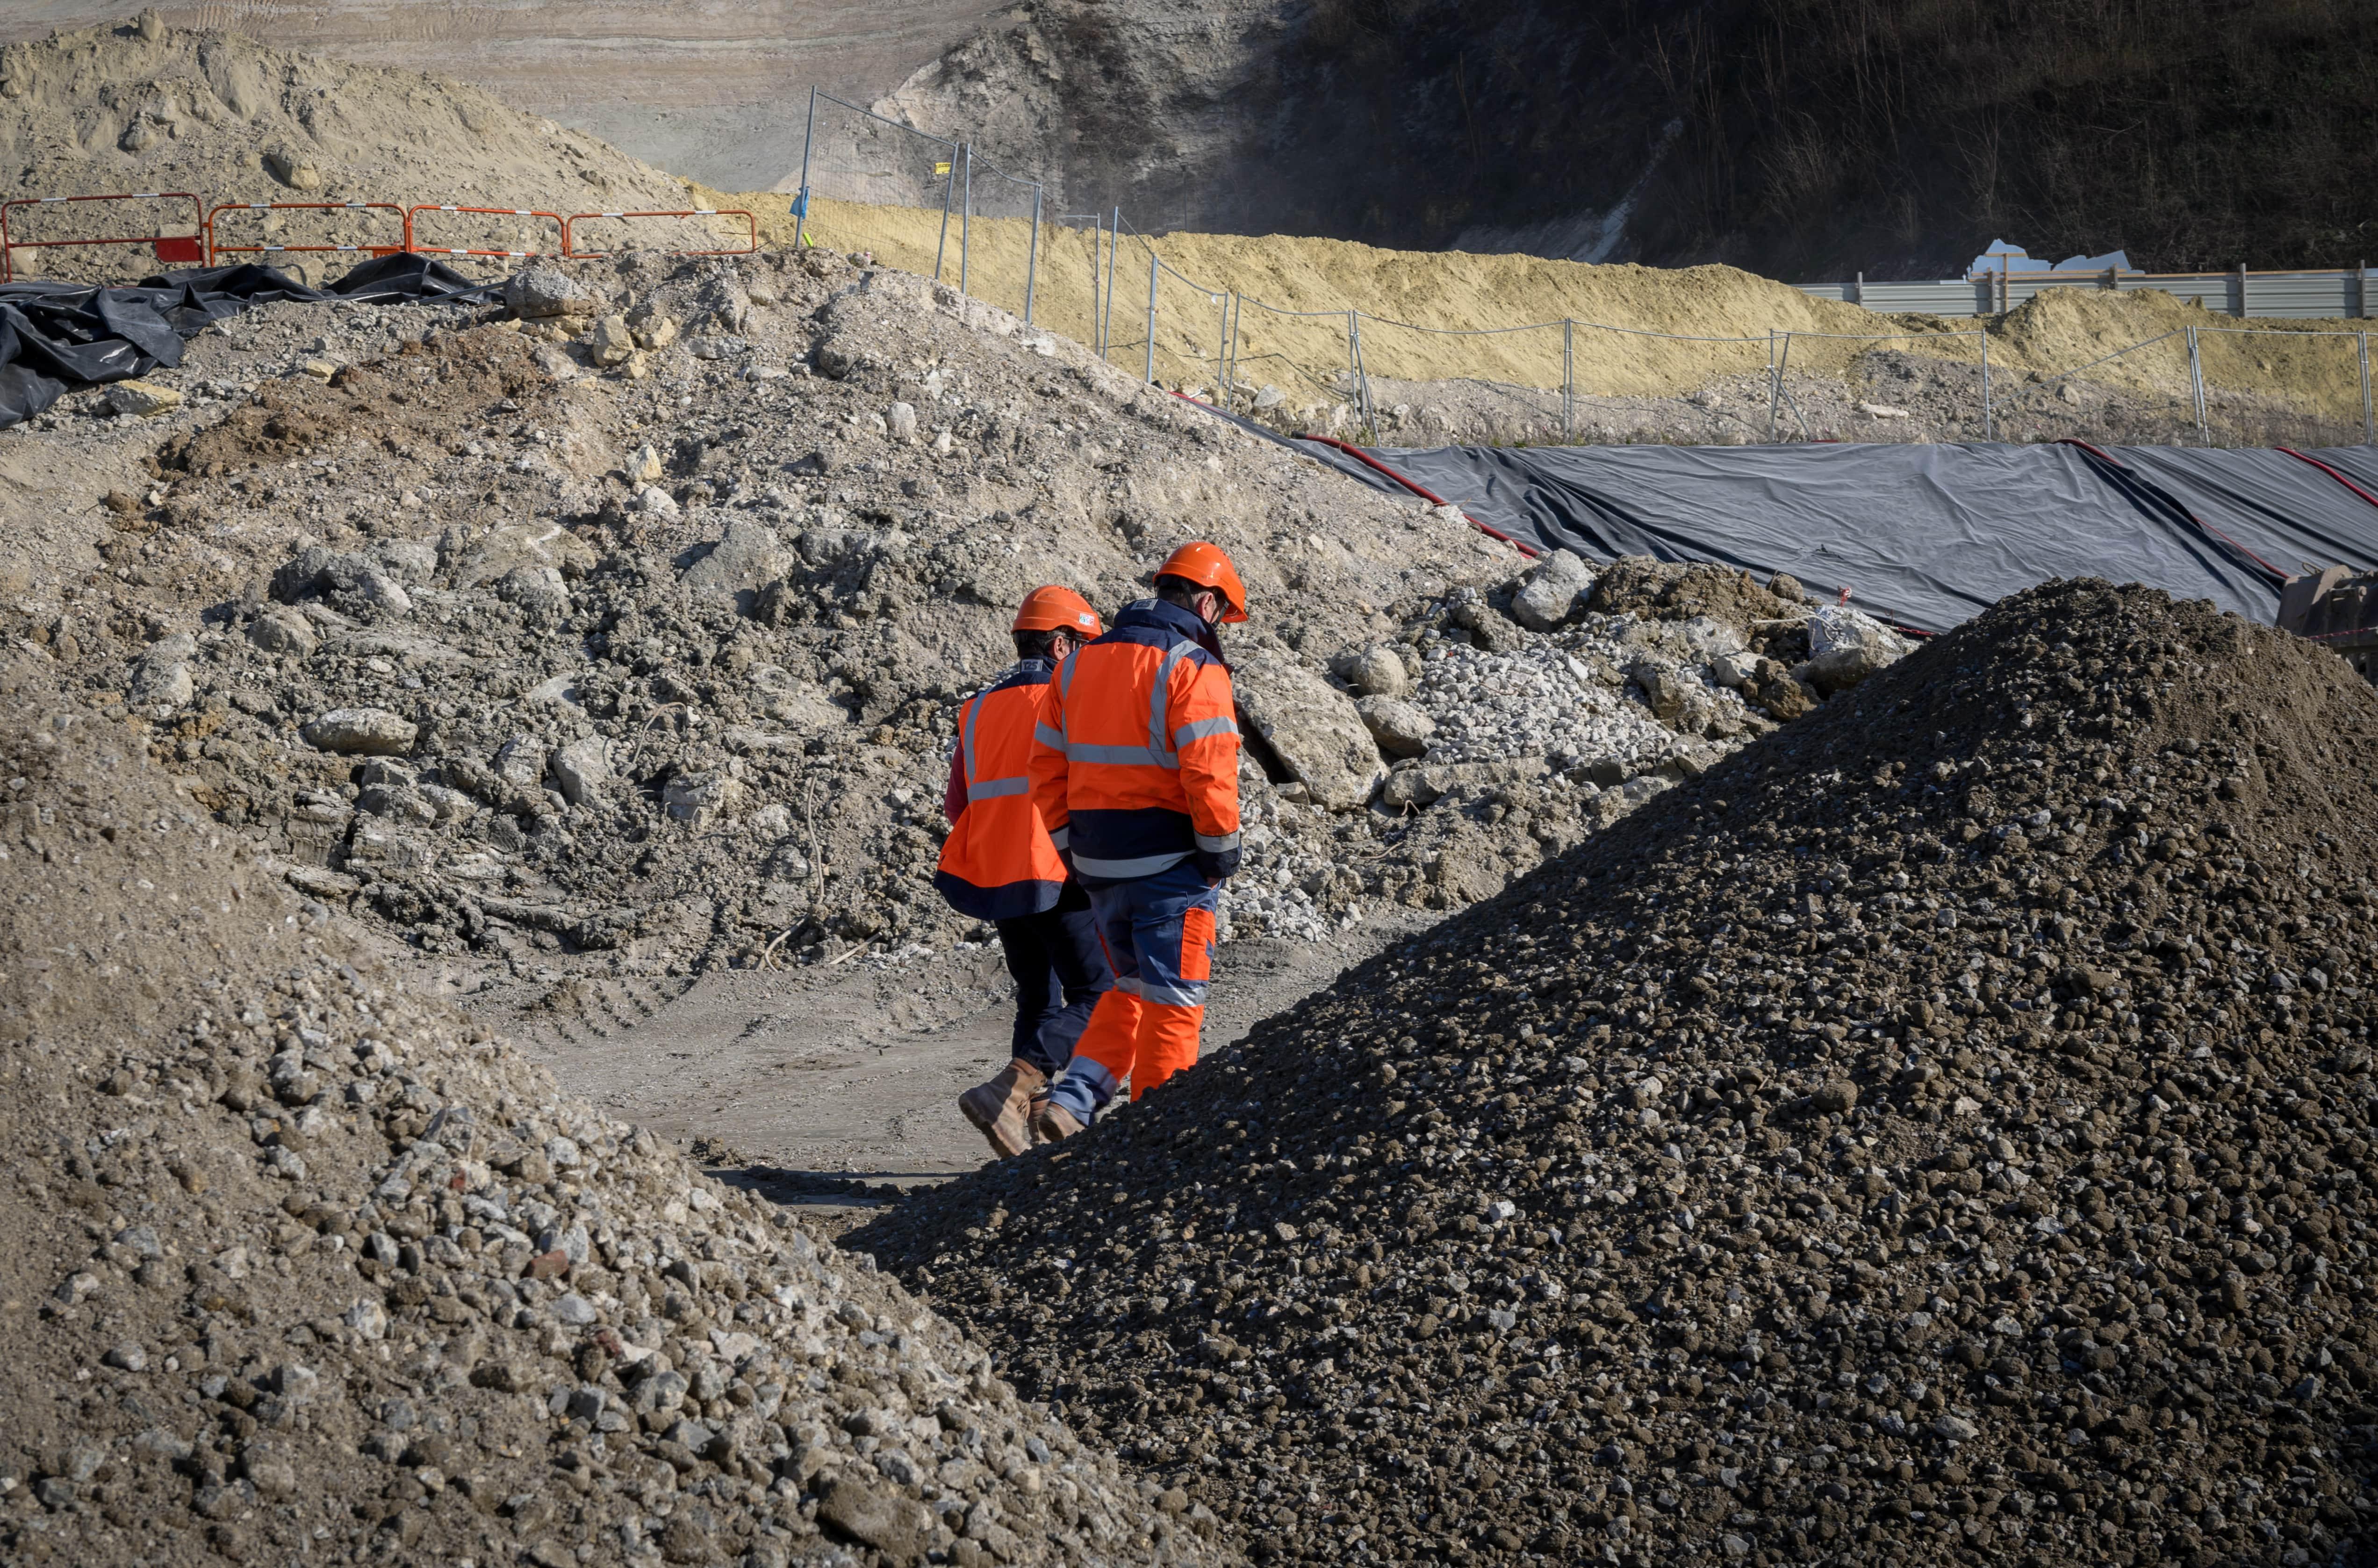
{"points": [[1938, 1133], [300, 1268]]}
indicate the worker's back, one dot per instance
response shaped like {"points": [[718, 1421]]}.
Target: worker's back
{"points": [[1135, 767], [998, 863]]}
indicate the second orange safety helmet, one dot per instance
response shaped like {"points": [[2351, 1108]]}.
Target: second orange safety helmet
{"points": [[1206, 566], [1054, 609]]}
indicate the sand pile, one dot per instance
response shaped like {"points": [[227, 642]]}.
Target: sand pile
{"points": [[2270, 367], [302, 1265], [1940, 1130], [143, 107]]}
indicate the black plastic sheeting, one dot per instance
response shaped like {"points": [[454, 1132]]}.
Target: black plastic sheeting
{"points": [[55, 336], [1926, 535]]}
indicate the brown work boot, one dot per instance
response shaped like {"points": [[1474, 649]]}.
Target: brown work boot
{"points": [[1052, 1123], [998, 1109]]}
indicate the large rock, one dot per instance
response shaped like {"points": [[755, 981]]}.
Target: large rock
{"points": [[1313, 727], [361, 731], [580, 769], [1554, 593], [1401, 729], [1374, 672], [1488, 627], [746, 559], [283, 631], [1845, 646], [877, 1516], [612, 341], [546, 290], [702, 798]]}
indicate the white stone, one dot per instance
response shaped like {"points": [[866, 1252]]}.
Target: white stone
{"points": [[361, 731]]}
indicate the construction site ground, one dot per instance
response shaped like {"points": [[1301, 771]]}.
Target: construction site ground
{"points": [[853, 1072]]}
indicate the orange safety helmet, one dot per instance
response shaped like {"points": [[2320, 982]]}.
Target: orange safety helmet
{"points": [[1206, 566], [1054, 609]]}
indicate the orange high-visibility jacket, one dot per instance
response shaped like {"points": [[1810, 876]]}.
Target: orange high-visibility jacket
{"points": [[1136, 762], [998, 863]]}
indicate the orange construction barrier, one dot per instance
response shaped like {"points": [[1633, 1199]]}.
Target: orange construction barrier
{"points": [[171, 249], [568, 231], [412, 222], [405, 222]]}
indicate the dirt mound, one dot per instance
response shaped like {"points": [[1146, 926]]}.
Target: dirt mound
{"points": [[657, 661], [130, 108], [2270, 379], [302, 1262], [1940, 1129]]}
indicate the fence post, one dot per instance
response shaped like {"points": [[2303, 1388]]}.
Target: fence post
{"points": [[1098, 330], [1569, 380], [2361, 288], [949, 190], [2196, 389], [1774, 387], [1032, 261], [1152, 264], [965, 213], [1989, 415], [1114, 242], [1857, 295], [1222, 348], [2241, 291], [1354, 367], [1363, 376], [808, 132], [2368, 438]]}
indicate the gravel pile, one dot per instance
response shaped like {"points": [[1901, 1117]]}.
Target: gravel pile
{"points": [[1939, 1132], [303, 1267], [620, 635]]}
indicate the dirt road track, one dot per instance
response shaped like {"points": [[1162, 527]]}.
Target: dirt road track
{"points": [[855, 1070]]}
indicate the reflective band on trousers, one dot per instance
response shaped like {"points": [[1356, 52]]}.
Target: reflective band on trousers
{"points": [[1188, 993], [1145, 865], [988, 788]]}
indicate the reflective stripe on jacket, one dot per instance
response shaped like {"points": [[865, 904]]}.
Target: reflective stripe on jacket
{"points": [[1136, 762], [998, 863]]}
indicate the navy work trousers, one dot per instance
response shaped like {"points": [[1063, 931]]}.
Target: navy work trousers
{"points": [[1061, 971]]}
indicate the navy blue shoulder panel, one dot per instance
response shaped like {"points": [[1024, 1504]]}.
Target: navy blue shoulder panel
{"points": [[1031, 672]]}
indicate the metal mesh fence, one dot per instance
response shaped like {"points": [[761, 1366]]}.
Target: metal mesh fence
{"points": [[2327, 375], [855, 156], [999, 259]]}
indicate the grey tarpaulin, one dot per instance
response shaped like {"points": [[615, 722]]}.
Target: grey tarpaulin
{"points": [[1925, 534]]}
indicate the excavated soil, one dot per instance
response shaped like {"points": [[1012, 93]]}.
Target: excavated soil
{"points": [[668, 653], [1940, 1132], [306, 1267], [2267, 381], [129, 107]]}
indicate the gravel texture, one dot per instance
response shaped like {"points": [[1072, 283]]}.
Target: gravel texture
{"points": [[304, 1268], [582, 678], [1939, 1132]]}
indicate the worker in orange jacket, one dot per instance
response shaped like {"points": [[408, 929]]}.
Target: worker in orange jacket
{"points": [[1136, 770], [998, 864]]}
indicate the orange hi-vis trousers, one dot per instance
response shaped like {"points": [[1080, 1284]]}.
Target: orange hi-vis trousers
{"points": [[1159, 935]]}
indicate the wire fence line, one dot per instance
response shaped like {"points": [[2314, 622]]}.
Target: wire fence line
{"points": [[989, 238]]}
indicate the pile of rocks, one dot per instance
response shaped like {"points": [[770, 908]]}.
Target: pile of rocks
{"points": [[622, 633], [299, 1265], [1943, 1128]]}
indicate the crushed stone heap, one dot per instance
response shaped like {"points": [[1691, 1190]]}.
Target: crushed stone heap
{"points": [[1940, 1132], [302, 1267], [618, 632]]}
